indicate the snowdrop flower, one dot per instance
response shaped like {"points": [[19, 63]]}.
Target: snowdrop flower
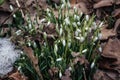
{"points": [[95, 38], [62, 6], [87, 17], [48, 10], [90, 29], [75, 9], [49, 14], [42, 20], [18, 32], [92, 65], [81, 13], [78, 38], [76, 33], [84, 51], [74, 24], [14, 15], [68, 4], [55, 48], [94, 25], [63, 42], [69, 44], [30, 26], [101, 24], [67, 21], [78, 30], [59, 59], [82, 39], [60, 74], [78, 23], [11, 8], [48, 23], [99, 35], [45, 35], [75, 17], [86, 28], [70, 68], [100, 49], [63, 1], [61, 31], [29, 44], [19, 68]]}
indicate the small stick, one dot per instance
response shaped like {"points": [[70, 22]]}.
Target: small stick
{"points": [[18, 4]]}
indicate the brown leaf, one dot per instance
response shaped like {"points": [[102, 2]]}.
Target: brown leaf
{"points": [[118, 2], [53, 71], [103, 3], [29, 52], [17, 76], [117, 26], [116, 13], [106, 33], [81, 60], [111, 55], [83, 7], [67, 75], [106, 75]]}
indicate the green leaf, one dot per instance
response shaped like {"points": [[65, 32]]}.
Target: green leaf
{"points": [[1, 2]]}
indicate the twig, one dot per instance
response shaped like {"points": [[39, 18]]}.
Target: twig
{"points": [[18, 4], [9, 16]]}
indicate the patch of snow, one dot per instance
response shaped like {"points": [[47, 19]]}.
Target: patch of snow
{"points": [[8, 55]]}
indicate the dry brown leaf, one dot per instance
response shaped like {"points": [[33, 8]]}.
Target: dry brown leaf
{"points": [[17, 76], [29, 52], [106, 33], [116, 13], [81, 60], [111, 55], [103, 3], [67, 75], [83, 7], [106, 75], [117, 26]]}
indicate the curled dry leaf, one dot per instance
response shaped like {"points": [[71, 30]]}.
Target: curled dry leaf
{"points": [[103, 3], [107, 33], [116, 13], [53, 71], [111, 55], [106, 75], [67, 75], [81, 60], [117, 26], [17, 76], [34, 60]]}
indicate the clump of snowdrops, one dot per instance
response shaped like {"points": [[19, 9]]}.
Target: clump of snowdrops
{"points": [[73, 51]]}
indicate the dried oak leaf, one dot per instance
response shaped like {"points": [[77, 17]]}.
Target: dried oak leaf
{"points": [[81, 60], [29, 52], [117, 26], [106, 33], [111, 55], [106, 75], [103, 3], [83, 7], [17, 76], [53, 71], [116, 13], [67, 75]]}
